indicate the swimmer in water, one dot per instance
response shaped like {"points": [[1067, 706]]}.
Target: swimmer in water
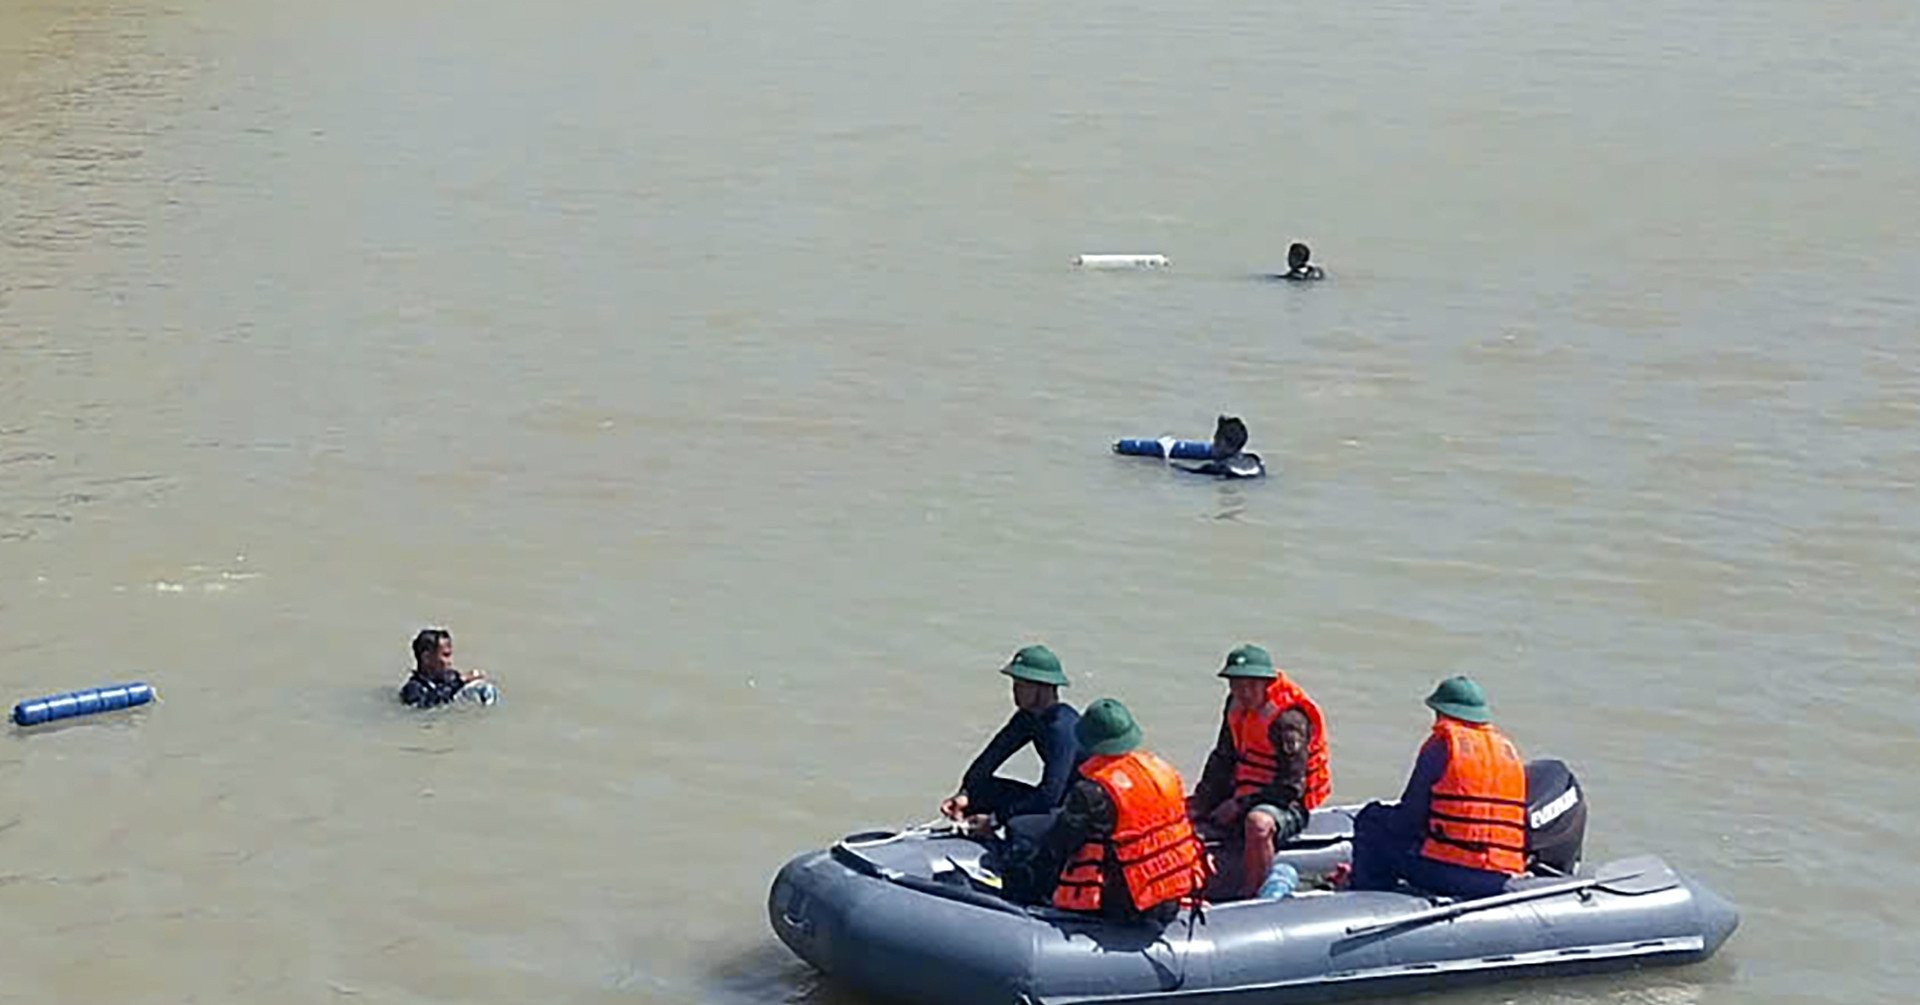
{"points": [[434, 680], [1299, 270], [1230, 458]]}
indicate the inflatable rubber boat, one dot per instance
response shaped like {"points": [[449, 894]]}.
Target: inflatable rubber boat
{"points": [[910, 916]]}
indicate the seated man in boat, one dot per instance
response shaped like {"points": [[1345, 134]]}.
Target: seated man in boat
{"points": [[1460, 828], [1040, 718], [1268, 769], [1299, 270], [1124, 836], [434, 680], [1230, 458]]}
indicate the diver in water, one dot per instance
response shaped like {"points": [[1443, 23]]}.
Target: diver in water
{"points": [[1230, 458], [1299, 270], [435, 681]]}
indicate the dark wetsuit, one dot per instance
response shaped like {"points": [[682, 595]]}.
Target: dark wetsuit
{"points": [[423, 691], [1303, 274], [1241, 465], [1051, 732]]}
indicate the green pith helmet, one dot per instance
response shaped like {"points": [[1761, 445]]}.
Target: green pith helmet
{"points": [[1107, 728], [1249, 661], [1460, 698], [1037, 664]]}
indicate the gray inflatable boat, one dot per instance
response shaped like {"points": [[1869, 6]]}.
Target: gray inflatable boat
{"points": [[904, 916]]}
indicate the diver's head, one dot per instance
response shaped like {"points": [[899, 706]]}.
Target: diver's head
{"points": [[1229, 437], [1297, 256], [433, 650]]}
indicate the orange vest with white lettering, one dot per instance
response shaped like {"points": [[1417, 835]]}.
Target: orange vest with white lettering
{"points": [[1152, 840]]}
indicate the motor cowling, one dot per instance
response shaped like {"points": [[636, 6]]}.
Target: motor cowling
{"points": [[1556, 817]]}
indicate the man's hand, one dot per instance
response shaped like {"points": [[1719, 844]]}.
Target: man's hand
{"points": [[978, 825], [954, 807]]}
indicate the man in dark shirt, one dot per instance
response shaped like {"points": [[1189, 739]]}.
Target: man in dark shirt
{"points": [[434, 680], [1040, 718], [1260, 795]]}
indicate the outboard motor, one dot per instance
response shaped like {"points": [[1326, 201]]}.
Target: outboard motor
{"points": [[1556, 817]]}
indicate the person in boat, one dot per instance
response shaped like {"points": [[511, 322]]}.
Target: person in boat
{"points": [[1268, 769], [1460, 828], [1299, 270], [1040, 719], [434, 680], [1230, 458], [1128, 847]]}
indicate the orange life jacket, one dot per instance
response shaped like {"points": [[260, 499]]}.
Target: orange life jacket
{"points": [[1256, 762], [1478, 814], [1152, 840]]}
